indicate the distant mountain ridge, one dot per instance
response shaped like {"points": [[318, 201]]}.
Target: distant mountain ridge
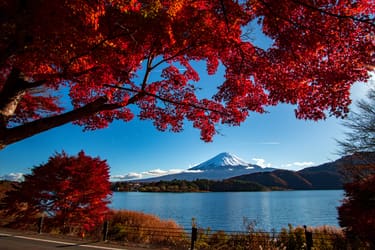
{"points": [[325, 176], [222, 166], [210, 176], [226, 166]]}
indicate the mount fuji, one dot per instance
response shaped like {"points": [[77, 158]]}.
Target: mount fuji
{"points": [[223, 161], [222, 166]]}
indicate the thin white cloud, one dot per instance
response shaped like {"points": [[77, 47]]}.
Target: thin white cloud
{"points": [[129, 176], [13, 177], [261, 162], [155, 172], [159, 172], [292, 166], [192, 171], [152, 173], [298, 165], [303, 164]]}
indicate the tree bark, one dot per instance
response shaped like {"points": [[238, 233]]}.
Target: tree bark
{"points": [[11, 94], [12, 135]]}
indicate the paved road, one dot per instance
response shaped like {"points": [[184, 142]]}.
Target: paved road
{"points": [[19, 241]]}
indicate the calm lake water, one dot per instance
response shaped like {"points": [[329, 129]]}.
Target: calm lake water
{"points": [[227, 210]]}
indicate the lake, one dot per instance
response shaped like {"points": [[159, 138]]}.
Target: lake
{"points": [[227, 210]]}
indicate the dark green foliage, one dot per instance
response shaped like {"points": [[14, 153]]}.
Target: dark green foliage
{"points": [[235, 185], [200, 185]]}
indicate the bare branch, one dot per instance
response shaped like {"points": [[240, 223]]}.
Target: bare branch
{"points": [[361, 125]]}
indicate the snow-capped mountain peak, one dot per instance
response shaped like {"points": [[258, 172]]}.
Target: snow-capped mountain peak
{"points": [[222, 160], [220, 167]]}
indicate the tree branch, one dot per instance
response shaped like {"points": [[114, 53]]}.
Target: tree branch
{"points": [[367, 21], [177, 103], [180, 52], [148, 71], [12, 135], [12, 92], [225, 15]]}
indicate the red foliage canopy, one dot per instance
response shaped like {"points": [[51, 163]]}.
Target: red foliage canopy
{"points": [[93, 50], [73, 190]]}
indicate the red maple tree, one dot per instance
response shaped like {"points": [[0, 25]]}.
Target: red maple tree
{"points": [[100, 54], [72, 191], [357, 212]]}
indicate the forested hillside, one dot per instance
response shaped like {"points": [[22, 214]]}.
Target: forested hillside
{"points": [[326, 176]]}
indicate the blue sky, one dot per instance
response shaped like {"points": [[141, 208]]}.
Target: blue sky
{"points": [[276, 139]]}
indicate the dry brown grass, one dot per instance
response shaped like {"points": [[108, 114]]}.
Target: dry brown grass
{"points": [[138, 227]]}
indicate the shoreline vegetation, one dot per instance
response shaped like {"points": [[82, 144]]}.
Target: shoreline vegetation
{"points": [[204, 185]]}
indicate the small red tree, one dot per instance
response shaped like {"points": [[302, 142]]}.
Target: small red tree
{"points": [[100, 54], [72, 190], [357, 212]]}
